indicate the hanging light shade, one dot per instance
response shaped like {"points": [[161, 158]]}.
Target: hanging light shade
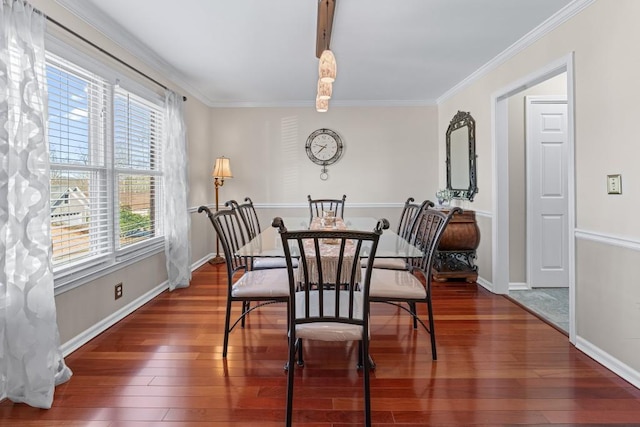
{"points": [[327, 67], [324, 90], [322, 105]]}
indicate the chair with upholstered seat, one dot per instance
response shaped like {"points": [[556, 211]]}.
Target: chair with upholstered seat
{"points": [[405, 231], [328, 294], [399, 287], [265, 286], [249, 217], [318, 206]]}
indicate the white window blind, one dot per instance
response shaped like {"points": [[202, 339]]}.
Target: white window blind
{"points": [[106, 179], [80, 212], [137, 139]]}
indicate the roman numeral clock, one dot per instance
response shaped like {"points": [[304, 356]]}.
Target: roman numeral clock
{"points": [[324, 147]]}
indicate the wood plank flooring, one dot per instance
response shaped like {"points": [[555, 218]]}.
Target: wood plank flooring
{"points": [[497, 365]]}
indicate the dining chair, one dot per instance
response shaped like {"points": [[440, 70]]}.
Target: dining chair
{"points": [[332, 304], [264, 286], [317, 206], [249, 217], [398, 287], [405, 231]]}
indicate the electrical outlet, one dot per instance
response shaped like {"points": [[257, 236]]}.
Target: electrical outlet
{"points": [[118, 290], [614, 184]]}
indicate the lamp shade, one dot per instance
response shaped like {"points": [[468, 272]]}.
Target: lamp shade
{"points": [[327, 67], [322, 105], [222, 168], [324, 89]]}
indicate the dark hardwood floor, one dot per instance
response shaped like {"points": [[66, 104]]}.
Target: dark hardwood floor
{"points": [[497, 365]]}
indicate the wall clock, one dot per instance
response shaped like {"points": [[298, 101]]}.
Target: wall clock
{"points": [[324, 147]]}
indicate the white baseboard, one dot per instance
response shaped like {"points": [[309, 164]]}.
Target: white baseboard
{"points": [[518, 286], [87, 335], [485, 284], [605, 359], [95, 330], [202, 261]]}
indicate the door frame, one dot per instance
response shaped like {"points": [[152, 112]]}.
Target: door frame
{"points": [[500, 178]]}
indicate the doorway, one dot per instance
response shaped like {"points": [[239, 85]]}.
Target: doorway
{"points": [[511, 262], [539, 171], [546, 185]]}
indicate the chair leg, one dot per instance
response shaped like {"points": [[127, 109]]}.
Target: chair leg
{"points": [[432, 330], [226, 328], [371, 365], [364, 354], [245, 307], [414, 310], [298, 346], [291, 368]]}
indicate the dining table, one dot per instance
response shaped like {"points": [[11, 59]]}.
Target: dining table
{"points": [[269, 243]]}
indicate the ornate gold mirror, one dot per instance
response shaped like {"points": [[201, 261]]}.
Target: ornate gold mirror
{"points": [[461, 157]]}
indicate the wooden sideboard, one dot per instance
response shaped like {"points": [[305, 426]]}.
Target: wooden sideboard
{"points": [[456, 252]]}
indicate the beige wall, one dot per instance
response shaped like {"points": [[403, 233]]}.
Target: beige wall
{"points": [[609, 307], [606, 88], [517, 173], [390, 153]]}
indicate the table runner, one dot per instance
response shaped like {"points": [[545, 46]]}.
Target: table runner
{"points": [[329, 254]]}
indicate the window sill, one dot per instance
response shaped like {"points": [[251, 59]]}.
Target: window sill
{"points": [[73, 280]]}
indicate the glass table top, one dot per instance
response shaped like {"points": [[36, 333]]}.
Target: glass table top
{"points": [[269, 244]]}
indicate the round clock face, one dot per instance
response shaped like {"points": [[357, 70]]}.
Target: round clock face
{"points": [[324, 147]]}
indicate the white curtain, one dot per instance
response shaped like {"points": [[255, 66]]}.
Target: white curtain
{"points": [[176, 215], [31, 362]]}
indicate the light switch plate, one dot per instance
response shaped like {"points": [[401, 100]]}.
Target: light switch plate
{"points": [[614, 184]]}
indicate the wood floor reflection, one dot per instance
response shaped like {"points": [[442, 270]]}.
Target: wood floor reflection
{"points": [[498, 365]]}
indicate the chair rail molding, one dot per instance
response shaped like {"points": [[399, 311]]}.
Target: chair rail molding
{"points": [[305, 205], [608, 239]]}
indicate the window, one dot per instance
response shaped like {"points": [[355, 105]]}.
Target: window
{"points": [[137, 133], [104, 149]]}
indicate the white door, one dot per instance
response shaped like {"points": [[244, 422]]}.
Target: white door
{"points": [[547, 197]]}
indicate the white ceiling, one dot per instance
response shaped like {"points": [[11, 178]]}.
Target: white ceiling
{"points": [[262, 53]]}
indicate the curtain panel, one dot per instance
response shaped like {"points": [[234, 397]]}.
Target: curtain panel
{"points": [[177, 221], [31, 363]]}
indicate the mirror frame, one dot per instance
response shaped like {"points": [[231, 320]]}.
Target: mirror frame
{"points": [[460, 120]]}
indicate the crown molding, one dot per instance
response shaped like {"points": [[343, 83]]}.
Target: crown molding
{"points": [[385, 103], [562, 16], [312, 104], [115, 32], [90, 14]]}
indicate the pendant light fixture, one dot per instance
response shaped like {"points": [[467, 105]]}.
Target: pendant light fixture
{"points": [[327, 67], [324, 89], [322, 105]]}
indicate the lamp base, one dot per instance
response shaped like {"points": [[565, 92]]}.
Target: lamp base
{"points": [[216, 260]]}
